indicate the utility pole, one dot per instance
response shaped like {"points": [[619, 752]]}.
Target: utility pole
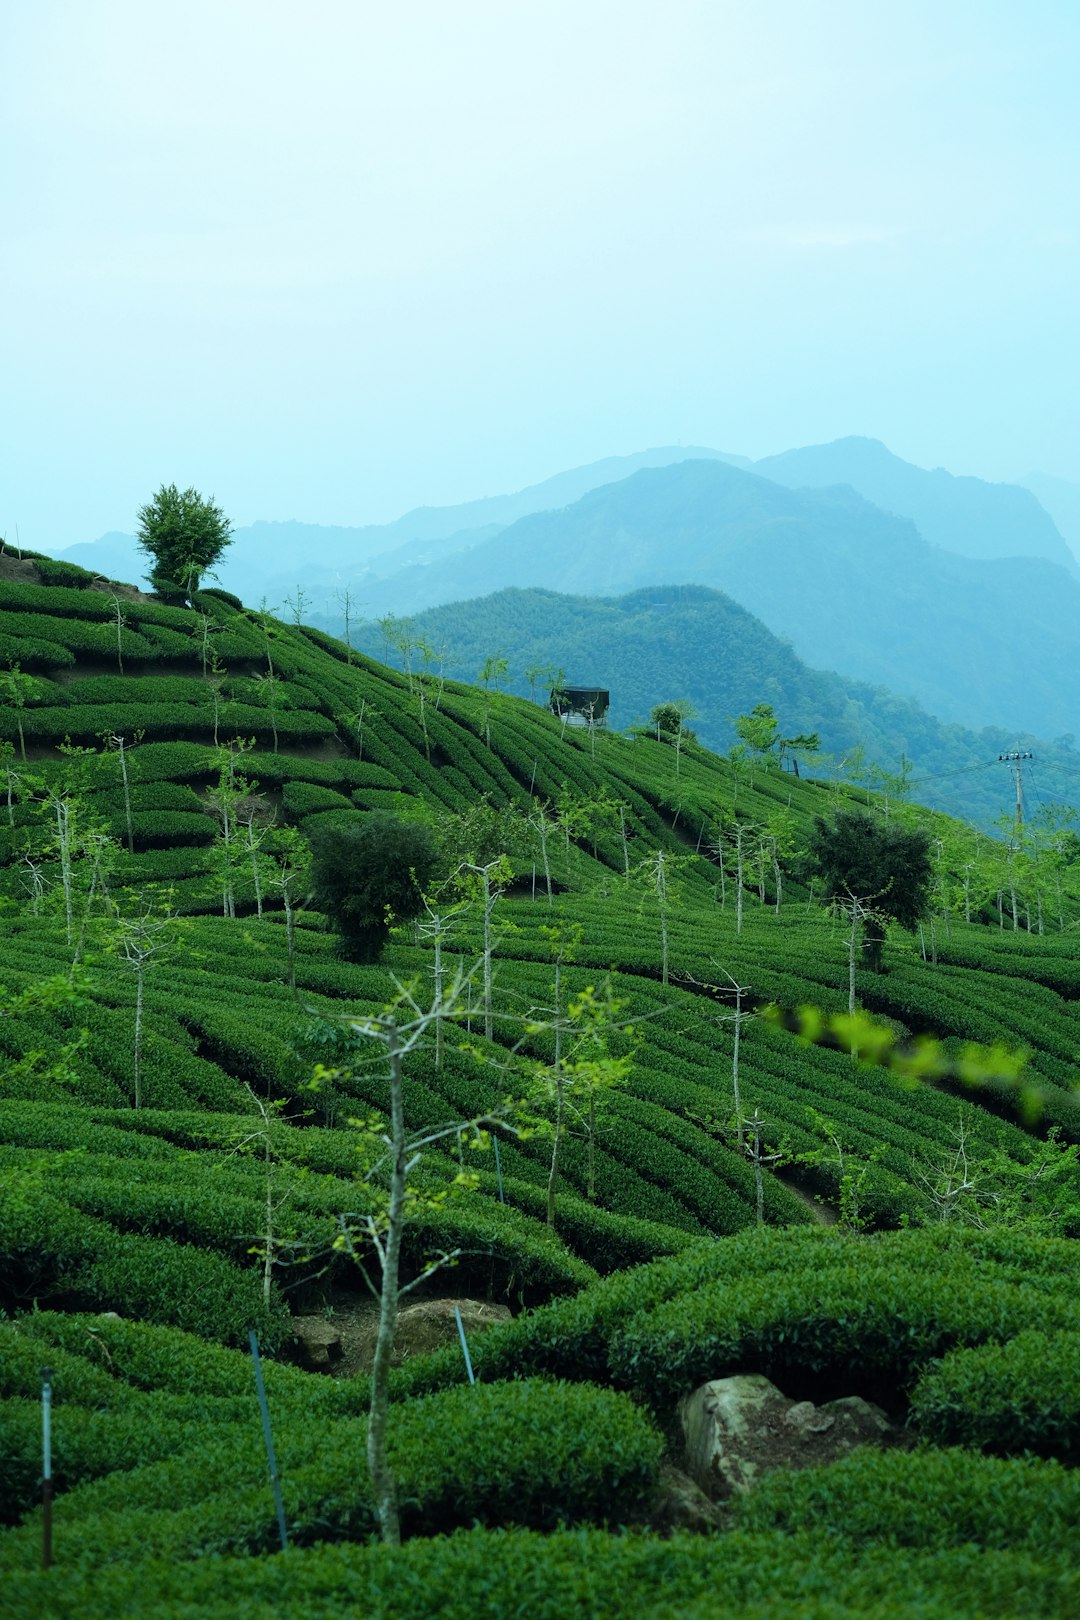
{"points": [[1015, 757]]}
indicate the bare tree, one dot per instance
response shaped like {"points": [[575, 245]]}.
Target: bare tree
{"points": [[142, 940], [397, 1031]]}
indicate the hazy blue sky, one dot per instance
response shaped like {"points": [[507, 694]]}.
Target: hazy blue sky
{"points": [[336, 259]]}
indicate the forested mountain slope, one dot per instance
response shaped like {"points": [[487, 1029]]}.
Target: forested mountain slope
{"points": [[690, 643], [977, 642], [167, 1159]]}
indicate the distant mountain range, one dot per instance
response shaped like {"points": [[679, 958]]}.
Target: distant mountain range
{"points": [[965, 515], [979, 642], [687, 642], [271, 558], [959, 594]]}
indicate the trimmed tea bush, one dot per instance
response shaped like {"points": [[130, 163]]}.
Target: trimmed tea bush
{"points": [[1006, 1398], [921, 1499]]}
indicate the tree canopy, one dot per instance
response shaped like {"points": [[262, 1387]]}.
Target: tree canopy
{"points": [[882, 865], [184, 535], [368, 875]]}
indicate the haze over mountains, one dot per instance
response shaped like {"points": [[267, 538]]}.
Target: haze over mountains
{"points": [[956, 593], [688, 642]]}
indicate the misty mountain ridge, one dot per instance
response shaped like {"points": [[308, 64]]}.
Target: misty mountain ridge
{"points": [[962, 514], [266, 556], [674, 643], [854, 586], [978, 642], [1061, 498]]}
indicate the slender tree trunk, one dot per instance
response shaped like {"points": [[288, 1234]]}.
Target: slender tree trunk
{"points": [[63, 837], [138, 1034], [268, 1250], [290, 937], [383, 1483], [542, 828], [253, 851], [489, 906], [591, 1176], [735, 1067], [738, 880], [127, 795], [759, 1174], [438, 999], [553, 1170]]}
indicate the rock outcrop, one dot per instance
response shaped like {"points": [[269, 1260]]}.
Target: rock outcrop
{"points": [[738, 1429]]}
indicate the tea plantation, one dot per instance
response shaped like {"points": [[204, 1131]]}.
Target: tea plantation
{"points": [[189, 1106]]}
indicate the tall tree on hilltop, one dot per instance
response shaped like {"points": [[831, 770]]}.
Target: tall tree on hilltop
{"points": [[184, 535]]}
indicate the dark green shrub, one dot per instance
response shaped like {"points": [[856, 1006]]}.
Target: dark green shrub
{"points": [[567, 1575], [1006, 1398], [54, 571], [47, 1248], [304, 798], [535, 1454], [920, 1499], [367, 876], [85, 1445], [882, 1318], [219, 595]]}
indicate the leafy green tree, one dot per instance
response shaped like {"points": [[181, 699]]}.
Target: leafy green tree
{"points": [[19, 690], [801, 742], [874, 869], [184, 535], [759, 731], [368, 875]]}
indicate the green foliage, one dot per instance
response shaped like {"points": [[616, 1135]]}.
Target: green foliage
{"points": [[184, 534], [48, 1248], [920, 1499], [883, 863], [739, 1576], [534, 1454], [1023, 1396], [368, 876], [54, 571], [806, 1304]]}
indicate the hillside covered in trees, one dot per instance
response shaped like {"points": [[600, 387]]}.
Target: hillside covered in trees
{"points": [[645, 1178], [688, 643]]}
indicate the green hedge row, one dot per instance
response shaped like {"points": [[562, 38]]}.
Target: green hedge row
{"points": [[85, 722], [878, 1322], [799, 1300], [530, 1453], [302, 799], [608, 1242], [49, 1248], [1006, 1398], [481, 1575], [920, 1499], [34, 654]]}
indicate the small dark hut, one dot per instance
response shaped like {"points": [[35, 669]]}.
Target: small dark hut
{"points": [[581, 705]]}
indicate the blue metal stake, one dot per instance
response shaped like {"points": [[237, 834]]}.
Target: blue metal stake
{"points": [[268, 1437], [464, 1346], [46, 1467]]}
